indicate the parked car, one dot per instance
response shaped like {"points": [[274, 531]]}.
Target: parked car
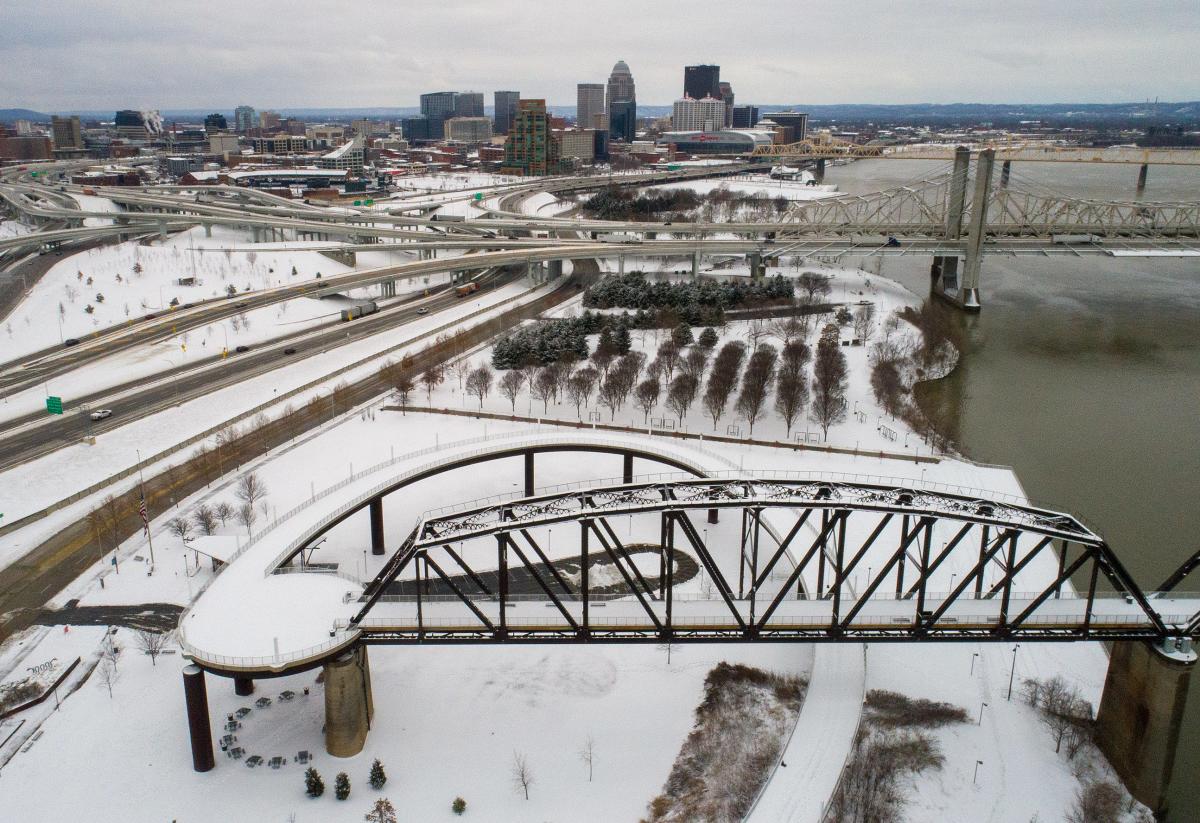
{"points": [[71, 341], [242, 349], [422, 310], [289, 350], [101, 414]]}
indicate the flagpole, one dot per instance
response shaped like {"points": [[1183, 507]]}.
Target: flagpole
{"points": [[145, 517]]}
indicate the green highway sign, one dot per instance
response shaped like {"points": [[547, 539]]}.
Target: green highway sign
{"points": [[54, 404], [370, 202], [358, 202], [478, 195]]}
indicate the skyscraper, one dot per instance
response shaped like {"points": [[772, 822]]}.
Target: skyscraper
{"points": [[66, 132], [214, 123], [506, 109], [243, 118], [621, 102], [745, 117], [727, 96], [469, 104], [702, 81], [438, 106], [530, 148], [589, 101], [698, 115]]}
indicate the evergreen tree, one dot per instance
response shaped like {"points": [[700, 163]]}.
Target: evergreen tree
{"points": [[708, 338], [458, 806], [314, 786], [682, 335], [341, 786], [621, 339], [377, 777]]}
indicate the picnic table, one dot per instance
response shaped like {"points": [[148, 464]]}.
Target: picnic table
{"points": [[276, 761], [242, 712], [232, 726], [303, 756], [253, 760], [287, 695], [262, 702], [236, 752], [227, 740]]}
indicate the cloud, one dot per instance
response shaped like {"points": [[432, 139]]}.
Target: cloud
{"points": [[113, 54]]}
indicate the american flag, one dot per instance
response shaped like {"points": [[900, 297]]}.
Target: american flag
{"points": [[145, 518]]}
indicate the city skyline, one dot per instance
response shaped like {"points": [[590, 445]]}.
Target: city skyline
{"points": [[1073, 51]]}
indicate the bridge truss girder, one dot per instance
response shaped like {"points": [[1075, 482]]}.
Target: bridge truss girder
{"points": [[797, 589]]}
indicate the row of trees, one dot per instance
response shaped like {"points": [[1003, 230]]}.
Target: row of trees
{"points": [[250, 491], [633, 291], [615, 203]]}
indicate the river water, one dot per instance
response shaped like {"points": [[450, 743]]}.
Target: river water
{"points": [[1083, 373]]}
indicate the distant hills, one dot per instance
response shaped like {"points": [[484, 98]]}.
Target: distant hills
{"points": [[1185, 113]]}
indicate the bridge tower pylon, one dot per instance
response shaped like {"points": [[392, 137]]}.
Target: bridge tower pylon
{"points": [[944, 272]]}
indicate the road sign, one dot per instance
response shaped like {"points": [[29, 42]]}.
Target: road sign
{"points": [[478, 195], [369, 202], [54, 404], [358, 202]]}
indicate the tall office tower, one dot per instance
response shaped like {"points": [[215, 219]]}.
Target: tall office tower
{"points": [[415, 128], [506, 109], [702, 81], [621, 102], [438, 106], [66, 132], [243, 118], [745, 117], [698, 115], [469, 104], [622, 121], [727, 96], [797, 121], [589, 101], [530, 148], [269, 120], [214, 123], [138, 125]]}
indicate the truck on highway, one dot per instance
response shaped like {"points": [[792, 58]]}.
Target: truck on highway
{"points": [[617, 237], [360, 309], [466, 288]]}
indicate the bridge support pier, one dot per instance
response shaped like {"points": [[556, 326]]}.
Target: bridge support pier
{"points": [[195, 695], [243, 686], [1141, 712], [969, 296], [819, 173], [529, 484], [695, 264], [349, 706], [713, 515], [756, 266], [377, 540], [621, 264], [208, 229], [627, 468], [555, 269], [1143, 173], [1005, 172]]}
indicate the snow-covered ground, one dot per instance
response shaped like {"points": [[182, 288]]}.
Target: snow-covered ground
{"points": [[757, 184], [13, 228]]}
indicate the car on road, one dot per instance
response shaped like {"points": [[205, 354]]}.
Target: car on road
{"points": [[422, 310], [289, 350], [242, 349], [71, 341], [101, 414]]}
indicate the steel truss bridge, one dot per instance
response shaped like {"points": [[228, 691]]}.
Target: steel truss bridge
{"points": [[871, 565], [1006, 151]]}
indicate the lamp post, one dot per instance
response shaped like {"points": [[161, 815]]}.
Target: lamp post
{"points": [[973, 656], [1012, 673], [982, 706], [975, 779]]}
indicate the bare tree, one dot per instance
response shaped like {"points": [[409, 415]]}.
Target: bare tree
{"points": [[1097, 802], [460, 369], [580, 387], [404, 385], [152, 643], [786, 329], [97, 526], [756, 383], [610, 394], [545, 387], [182, 528], [479, 383], [205, 518], [864, 322], [668, 355], [510, 386], [112, 517], [223, 511], [431, 378], [829, 386], [109, 650], [588, 755], [791, 393], [382, 812], [251, 488], [815, 286], [694, 362], [522, 774], [108, 675], [647, 396], [681, 394], [247, 515]]}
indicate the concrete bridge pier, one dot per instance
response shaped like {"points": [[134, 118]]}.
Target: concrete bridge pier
{"points": [[819, 173], [377, 541], [243, 686], [969, 295], [555, 269], [1143, 173], [756, 266], [1005, 172], [529, 474], [627, 468], [695, 264], [195, 695], [349, 706], [1141, 712], [208, 229], [621, 264]]}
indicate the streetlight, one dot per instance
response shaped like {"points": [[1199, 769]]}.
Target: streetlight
{"points": [[973, 656], [982, 706], [974, 779], [1012, 673]]}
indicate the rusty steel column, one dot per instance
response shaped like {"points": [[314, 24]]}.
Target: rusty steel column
{"points": [[195, 695], [243, 686]]}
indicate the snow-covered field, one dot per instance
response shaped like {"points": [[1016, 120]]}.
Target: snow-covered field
{"points": [[757, 184], [13, 228]]}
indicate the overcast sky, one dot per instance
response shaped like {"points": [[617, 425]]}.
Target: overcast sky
{"points": [[108, 54]]}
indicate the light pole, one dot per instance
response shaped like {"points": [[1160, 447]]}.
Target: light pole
{"points": [[975, 779], [1012, 673], [982, 706], [973, 656]]}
